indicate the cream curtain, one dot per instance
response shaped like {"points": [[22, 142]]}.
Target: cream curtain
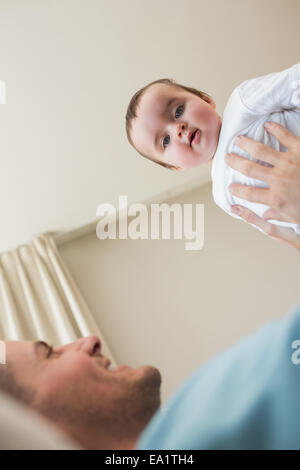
{"points": [[40, 300]]}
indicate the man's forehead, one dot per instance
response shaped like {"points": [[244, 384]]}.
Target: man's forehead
{"points": [[19, 347], [12, 343]]}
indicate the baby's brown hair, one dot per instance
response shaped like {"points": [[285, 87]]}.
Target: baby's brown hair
{"points": [[134, 103]]}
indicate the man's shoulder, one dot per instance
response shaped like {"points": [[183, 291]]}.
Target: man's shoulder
{"points": [[240, 391]]}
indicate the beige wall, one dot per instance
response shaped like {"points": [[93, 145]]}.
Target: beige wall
{"points": [[159, 304], [71, 67]]}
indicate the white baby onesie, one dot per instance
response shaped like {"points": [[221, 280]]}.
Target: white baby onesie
{"points": [[274, 97]]}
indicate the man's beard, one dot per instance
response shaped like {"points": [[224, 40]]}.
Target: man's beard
{"points": [[121, 414], [129, 411]]}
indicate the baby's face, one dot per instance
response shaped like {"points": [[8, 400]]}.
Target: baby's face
{"points": [[163, 132]]}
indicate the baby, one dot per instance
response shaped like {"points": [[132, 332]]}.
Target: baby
{"points": [[178, 127]]}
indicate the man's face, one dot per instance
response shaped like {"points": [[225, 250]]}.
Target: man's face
{"points": [[75, 379], [163, 132]]}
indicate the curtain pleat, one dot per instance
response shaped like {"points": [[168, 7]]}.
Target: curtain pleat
{"points": [[39, 299], [10, 323], [34, 306]]}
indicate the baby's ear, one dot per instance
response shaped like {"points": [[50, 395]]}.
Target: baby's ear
{"points": [[212, 103]]}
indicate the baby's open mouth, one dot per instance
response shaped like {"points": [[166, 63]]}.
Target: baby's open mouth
{"points": [[195, 137]]}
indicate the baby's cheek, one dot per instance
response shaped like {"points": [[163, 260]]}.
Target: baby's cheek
{"points": [[181, 160], [197, 111], [185, 158]]}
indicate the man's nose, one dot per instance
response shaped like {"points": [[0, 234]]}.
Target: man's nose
{"points": [[91, 345]]}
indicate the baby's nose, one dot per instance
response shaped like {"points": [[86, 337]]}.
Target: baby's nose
{"points": [[182, 131]]}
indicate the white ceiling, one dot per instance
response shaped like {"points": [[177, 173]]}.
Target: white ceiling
{"points": [[70, 68]]}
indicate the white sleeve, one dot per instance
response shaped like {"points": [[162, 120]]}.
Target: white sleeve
{"points": [[273, 92]]}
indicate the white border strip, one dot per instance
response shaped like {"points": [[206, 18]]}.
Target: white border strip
{"points": [[2, 352]]}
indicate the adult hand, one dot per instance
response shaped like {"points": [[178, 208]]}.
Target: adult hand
{"points": [[283, 179], [282, 234]]}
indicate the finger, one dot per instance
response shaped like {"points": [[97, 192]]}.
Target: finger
{"points": [[248, 167], [286, 235], [288, 241], [250, 193], [281, 234], [272, 214], [283, 135], [258, 150], [250, 217]]}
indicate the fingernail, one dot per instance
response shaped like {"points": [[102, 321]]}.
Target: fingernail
{"points": [[236, 209], [268, 125]]}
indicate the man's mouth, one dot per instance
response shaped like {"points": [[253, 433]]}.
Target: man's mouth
{"points": [[105, 363], [118, 368], [102, 362]]}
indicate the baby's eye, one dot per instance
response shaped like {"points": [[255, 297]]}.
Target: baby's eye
{"points": [[164, 141], [180, 108]]}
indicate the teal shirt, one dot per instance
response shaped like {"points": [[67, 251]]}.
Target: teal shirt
{"points": [[247, 397]]}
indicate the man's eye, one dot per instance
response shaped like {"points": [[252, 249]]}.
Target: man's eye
{"points": [[49, 352]]}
